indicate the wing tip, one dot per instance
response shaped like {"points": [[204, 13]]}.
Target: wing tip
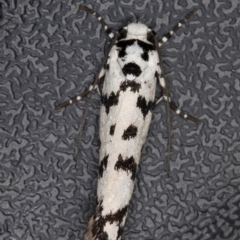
{"points": [[88, 234]]}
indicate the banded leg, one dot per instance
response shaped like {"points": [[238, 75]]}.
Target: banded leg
{"points": [[168, 35], [100, 19], [84, 94], [173, 105]]}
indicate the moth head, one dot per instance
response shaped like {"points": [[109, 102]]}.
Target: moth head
{"points": [[137, 29]]}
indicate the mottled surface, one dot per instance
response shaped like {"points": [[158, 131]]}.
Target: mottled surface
{"points": [[51, 51]]}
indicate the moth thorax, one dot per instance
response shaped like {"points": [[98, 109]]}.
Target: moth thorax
{"points": [[137, 29]]}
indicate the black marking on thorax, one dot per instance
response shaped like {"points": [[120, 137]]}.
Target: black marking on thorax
{"points": [[123, 45], [128, 165], [146, 47], [131, 68], [130, 132]]}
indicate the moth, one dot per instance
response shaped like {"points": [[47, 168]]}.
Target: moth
{"points": [[130, 72]]}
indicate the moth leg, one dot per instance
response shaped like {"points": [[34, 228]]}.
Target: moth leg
{"points": [[168, 35], [183, 114], [99, 93], [173, 105], [100, 19], [159, 100], [84, 94]]}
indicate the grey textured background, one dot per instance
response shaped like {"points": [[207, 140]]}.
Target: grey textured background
{"points": [[51, 51]]}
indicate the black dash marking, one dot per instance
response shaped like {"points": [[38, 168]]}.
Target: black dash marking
{"points": [[144, 106], [131, 68], [128, 164], [132, 84], [110, 101], [103, 165], [112, 129], [130, 132]]}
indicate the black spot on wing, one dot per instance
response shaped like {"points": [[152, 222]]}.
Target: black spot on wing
{"points": [[131, 68], [122, 53], [146, 47], [106, 66], [97, 226], [144, 106], [103, 165], [145, 56], [120, 232], [130, 132], [116, 217], [112, 129], [100, 221], [128, 165], [132, 84], [110, 101]]}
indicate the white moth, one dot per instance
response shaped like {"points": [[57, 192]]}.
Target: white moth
{"points": [[130, 71]]}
